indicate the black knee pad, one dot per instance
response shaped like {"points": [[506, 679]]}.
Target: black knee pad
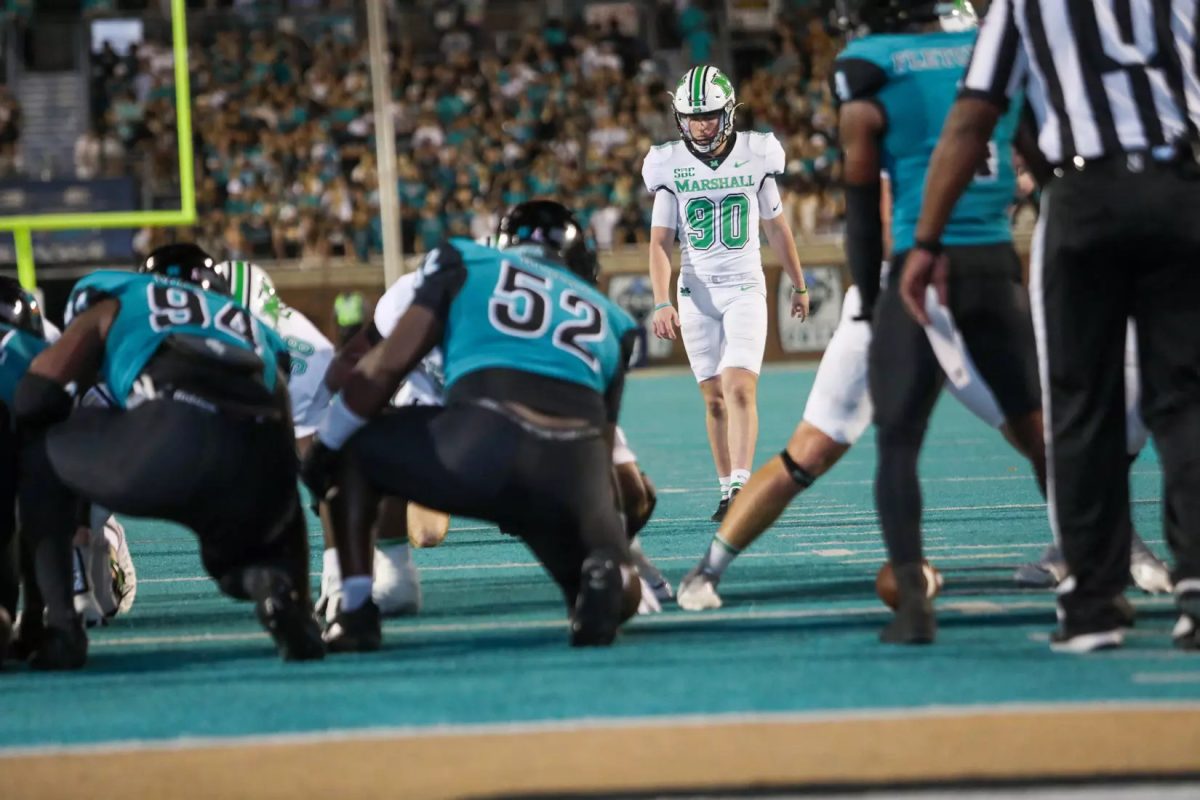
{"points": [[799, 474]]}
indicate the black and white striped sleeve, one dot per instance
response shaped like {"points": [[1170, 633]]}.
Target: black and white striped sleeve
{"points": [[998, 66]]}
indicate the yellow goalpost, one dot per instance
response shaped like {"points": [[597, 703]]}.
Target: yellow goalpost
{"points": [[22, 226]]}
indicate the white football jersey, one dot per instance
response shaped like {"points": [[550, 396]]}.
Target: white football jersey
{"points": [[426, 384], [311, 355], [717, 206]]}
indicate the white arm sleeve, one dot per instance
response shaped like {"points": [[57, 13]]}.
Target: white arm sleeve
{"points": [[394, 303], [666, 210], [770, 204]]}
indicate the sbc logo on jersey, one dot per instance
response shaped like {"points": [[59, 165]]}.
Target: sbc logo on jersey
{"points": [[684, 172]]}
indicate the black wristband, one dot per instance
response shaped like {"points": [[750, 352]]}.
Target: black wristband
{"points": [[933, 247]]}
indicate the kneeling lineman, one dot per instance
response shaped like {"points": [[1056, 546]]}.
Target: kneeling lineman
{"points": [[535, 359], [201, 414]]}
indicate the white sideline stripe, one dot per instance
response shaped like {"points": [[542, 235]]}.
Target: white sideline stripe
{"points": [[670, 617], [523, 625], [599, 723], [940, 559], [1159, 678], [798, 511], [661, 559]]}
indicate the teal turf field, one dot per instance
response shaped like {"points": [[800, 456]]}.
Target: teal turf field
{"points": [[797, 632]]}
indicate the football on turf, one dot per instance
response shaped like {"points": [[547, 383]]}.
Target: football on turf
{"points": [[885, 583]]}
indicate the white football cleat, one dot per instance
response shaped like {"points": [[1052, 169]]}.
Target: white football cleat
{"points": [[88, 609], [86, 605], [397, 587], [331, 593], [652, 578], [1148, 572], [698, 592], [649, 604], [114, 578]]}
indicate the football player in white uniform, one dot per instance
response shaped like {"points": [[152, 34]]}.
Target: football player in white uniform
{"points": [[713, 187], [310, 351], [396, 590]]}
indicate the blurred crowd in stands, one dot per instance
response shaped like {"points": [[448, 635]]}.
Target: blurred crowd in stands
{"points": [[283, 125], [284, 128], [10, 131]]}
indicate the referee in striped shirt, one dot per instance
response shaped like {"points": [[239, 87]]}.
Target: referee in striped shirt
{"points": [[1115, 94]]}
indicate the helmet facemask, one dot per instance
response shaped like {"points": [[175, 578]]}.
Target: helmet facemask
{"points": [[704, 93], [724, 128]]}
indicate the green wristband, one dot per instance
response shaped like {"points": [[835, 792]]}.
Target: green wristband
{"points": [[800, 291], [661, 306]]}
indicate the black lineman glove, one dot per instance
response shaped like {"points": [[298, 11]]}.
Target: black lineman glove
{"points": [[318, 468]]}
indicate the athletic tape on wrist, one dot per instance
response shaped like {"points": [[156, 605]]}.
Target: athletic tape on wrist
{"points": [[338, 424]]}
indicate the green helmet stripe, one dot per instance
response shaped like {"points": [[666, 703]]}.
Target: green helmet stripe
{"points": [[241, 287], [697, 86]]}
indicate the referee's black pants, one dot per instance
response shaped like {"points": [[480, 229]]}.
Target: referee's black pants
{"points": [[1119, 239]]}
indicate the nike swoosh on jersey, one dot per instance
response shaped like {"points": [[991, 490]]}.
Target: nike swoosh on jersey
{"points": [[737, 164], [749, 287]]}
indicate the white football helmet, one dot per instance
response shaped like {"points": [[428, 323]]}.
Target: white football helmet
{"points": [[704, 91], [251, 286]]}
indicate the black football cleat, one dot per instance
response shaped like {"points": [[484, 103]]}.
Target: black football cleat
{"points": [[1187, 629], [357, 631], [597, 613], [914, 622], [61, 648], [29, 632], [284, 614], [1065, 641], [723, 506]]}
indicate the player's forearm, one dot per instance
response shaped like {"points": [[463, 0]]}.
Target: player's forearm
{"points": [[380, 372], [660, 273], [77, 355], [347, 358], [783, 244], [864, 240], [963, 146]]}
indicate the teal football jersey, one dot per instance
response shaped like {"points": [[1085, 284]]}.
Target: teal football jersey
{"points": [[17, 349], [516, 311], [154, 307], [914, 79]]}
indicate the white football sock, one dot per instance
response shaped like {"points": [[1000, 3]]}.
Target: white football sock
{"points": [[725, 483], [720, 555], [330, 565], [738, 478]]}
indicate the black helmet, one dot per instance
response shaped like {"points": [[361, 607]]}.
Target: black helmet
{"points": [[898, 16], [553, 226], [187, 262], [19, 308]]}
